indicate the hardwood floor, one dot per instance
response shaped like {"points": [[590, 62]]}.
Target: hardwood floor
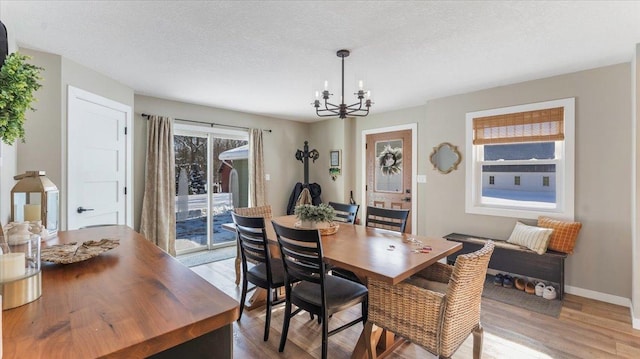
{"points": [[585, 329]]}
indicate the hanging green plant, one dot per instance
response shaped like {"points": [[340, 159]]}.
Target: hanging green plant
{"points": [[18, 81], [390, 160]]}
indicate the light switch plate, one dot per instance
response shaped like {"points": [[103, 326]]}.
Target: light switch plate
{"points": [[421, 178], [267, 177]]}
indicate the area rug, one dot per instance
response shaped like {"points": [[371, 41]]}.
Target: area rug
{"points": [[521, 299], [198, 258]]}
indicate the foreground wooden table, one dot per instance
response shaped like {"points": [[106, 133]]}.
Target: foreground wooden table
{"points": [[134, 301]]}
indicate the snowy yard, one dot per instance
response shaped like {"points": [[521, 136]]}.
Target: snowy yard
{"points": [[192, 220]]}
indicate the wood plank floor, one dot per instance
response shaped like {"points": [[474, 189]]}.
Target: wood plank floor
{"points": [[585, 329]]}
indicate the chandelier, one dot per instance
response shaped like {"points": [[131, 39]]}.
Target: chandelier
{"points": [[342, 110]]}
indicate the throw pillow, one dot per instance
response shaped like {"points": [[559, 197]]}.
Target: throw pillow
{"points": [[564, 236], [534, 238]]}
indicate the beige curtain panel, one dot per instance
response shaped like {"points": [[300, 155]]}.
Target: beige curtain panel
{"points": [[158, 222], [256, 169], [529, 126]]}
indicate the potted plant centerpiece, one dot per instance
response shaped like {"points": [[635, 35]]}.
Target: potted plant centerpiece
{"points": [[310, 215]]}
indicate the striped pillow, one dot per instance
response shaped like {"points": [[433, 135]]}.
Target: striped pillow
{"points": [[564, 236], [534, 238]]}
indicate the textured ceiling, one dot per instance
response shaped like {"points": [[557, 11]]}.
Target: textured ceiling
{"points": [[269, 57]]}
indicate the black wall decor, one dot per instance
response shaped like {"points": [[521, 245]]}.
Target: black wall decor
{"points": [[4, 43]]}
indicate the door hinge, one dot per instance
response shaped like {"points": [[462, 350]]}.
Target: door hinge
{"points": [[125, 130], [366, 187], [125, 190]]}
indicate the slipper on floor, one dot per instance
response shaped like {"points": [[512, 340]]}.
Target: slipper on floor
{"points": [[540, 288], [529, 288], [549, 293], [498, 279], [520, 283]]}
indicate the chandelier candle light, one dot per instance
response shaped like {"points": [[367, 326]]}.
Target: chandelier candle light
{"points": [[342, 110]]}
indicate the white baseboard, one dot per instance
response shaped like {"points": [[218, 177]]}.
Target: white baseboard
{"points": [[635, 321], [603, 297]]}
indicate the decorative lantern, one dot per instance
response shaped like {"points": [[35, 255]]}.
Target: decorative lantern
{"points": [[35, 198]]}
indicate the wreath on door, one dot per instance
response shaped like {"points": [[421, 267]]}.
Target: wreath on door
{"points": [[390, 160]]}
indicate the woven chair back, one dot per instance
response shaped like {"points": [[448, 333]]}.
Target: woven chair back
{"points": [[464, 294], [260, 211]]}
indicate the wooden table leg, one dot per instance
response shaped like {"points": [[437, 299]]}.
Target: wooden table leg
{"points": [[257, 300], [364, 344], [379, 344]]}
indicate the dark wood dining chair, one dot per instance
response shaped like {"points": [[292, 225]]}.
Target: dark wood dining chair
{"points": [[259, 211], [315, 292], [345, 213], [386, 218], [267, 273]]}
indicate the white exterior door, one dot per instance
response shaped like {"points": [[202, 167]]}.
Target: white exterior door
{"points": [[97, 167]]}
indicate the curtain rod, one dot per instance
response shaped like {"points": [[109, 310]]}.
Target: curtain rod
{"points": [[207, 123]]}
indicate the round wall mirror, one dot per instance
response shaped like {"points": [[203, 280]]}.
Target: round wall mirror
{"points": [[445, 157]]}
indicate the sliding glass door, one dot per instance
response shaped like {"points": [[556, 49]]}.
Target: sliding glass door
{"points": [[211, 179]]}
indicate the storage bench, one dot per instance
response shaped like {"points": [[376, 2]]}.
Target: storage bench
{"points": [[515, 259]]}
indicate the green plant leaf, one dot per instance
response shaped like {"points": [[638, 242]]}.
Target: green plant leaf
{"points": [[18, 82]]}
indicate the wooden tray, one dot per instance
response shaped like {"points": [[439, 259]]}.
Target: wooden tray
{"points": [[74, 252]]}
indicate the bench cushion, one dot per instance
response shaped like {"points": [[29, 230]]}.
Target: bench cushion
{"points": [[564, 236], [534, 238]]}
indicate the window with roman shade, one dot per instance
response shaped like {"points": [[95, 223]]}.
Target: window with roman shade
{"points": [[509, 149]]}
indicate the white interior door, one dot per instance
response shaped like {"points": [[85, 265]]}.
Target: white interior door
{"points": [[97, 161]]}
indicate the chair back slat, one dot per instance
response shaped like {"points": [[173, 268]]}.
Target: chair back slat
{"points": [[301, 251], [386, 218], [345, 213], [252, 238]]}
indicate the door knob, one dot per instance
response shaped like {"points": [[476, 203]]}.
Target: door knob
{"points": [[80, 209], [407, 199]]}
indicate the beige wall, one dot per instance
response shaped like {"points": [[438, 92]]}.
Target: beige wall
{"points": [[333, 134], [279, 146], [603, 171], [45, 143]]}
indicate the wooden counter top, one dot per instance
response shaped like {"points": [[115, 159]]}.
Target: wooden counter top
{"points": [[132, 301]]}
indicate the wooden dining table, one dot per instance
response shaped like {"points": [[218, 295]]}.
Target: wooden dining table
{"points": [[381, 254], [134, 301]]}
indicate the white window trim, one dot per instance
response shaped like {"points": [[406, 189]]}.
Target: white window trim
{"points": [[565, 182]]}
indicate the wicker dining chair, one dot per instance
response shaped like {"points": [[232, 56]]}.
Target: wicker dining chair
{"points": [[441, 318], [345, 213], [260, 211]]}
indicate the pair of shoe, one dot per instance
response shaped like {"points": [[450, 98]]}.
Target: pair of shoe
{"points": [[545, 291], [524, 285], [503, 280]]}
